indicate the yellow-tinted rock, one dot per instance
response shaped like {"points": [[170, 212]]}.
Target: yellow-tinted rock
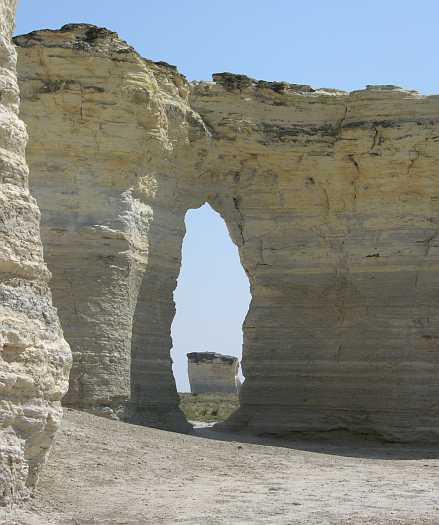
{"points": [[34, 358], [338, 200], [331, 198], [105, 127]]}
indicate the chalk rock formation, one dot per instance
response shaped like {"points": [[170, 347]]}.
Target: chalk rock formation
{"points": [[338, 197], [106, 127], [34, 358], [210, 372], [331, 198]]}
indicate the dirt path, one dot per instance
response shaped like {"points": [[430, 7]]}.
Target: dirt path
{"points": [[105, 472]]}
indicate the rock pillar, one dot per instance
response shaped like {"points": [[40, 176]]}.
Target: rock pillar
{"points": [[34, 358], [212, 373]]}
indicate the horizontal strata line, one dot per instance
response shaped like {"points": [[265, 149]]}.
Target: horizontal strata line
{"points": [[342, 383], [14, 281], [292, 375], [291, 379], [371, 366], [367, 411]]}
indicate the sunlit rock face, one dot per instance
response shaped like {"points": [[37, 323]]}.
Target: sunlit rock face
{"points": [[213, 373], [331, 198], [106, 128], [338, 200], [34, 358]]}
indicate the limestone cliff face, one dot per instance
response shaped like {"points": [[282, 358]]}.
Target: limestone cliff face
{"points": [[34, 358], [337, 199], [106, 126], [212, 373], [331, 198]]}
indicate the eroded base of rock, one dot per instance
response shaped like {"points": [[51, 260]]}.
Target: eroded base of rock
{"points": [[156, 416]]}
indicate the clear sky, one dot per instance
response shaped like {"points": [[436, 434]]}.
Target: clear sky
{"points": [[330, 43], [326, 43]]}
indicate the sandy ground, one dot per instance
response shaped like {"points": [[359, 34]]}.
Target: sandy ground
{"points": [[106, 472]]}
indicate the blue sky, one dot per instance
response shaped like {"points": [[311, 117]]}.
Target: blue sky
{"points": [[340, 43]]}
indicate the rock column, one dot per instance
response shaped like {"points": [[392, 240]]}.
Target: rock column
{"points": [[34, 358], [212, 373], [105, 126]]}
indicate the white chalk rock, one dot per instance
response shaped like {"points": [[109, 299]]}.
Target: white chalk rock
{"points": [[211, 373]]}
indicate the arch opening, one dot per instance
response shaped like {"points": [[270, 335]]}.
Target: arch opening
{"points": [[212, 298]]}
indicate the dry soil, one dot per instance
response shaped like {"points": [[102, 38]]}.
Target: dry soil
{"points": [[107, 472]]}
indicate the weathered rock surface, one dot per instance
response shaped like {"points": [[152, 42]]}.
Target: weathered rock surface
{"points": [[210, 372], [338, 199], [34, 358], [106, 127], [331, 197]]}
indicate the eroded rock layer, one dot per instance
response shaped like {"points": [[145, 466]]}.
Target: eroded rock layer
{"points": [[338, 195], [331, 197], [212, 373], [34, 358], [106, 128]]}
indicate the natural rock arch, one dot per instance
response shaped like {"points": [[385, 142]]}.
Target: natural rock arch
{"points": [[153, 398], [330, 196]]}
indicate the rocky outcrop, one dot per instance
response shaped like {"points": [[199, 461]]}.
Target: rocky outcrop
{"points": [[34, 358], [331, 198], [337, 198], [106, 127], [210, 372], [338, 203]]}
